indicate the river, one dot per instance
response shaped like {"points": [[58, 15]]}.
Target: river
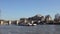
{"points": [[38, 29]]}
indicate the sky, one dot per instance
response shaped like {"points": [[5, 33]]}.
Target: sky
{"points": [[16, 9]]}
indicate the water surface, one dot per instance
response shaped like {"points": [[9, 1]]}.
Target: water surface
{"points": [[39, 29]]}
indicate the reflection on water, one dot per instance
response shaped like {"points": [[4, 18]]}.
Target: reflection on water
{"points": [[39, 29]]}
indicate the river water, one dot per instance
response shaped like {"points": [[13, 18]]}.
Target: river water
{"points": [[38, 29]]}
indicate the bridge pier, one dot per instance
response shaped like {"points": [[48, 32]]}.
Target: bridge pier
{"points": [[25, 21], [17, 22], [32, 22], [10, 22], [2, 22]]}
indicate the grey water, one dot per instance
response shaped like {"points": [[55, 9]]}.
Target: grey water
{"points": [[38, 29]]}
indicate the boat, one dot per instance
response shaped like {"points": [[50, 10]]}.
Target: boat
{"points": [[34, 24]]}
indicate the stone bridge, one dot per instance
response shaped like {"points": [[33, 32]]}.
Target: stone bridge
{"points": [[8, 22]]}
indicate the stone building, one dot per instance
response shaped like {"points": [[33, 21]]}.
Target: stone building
{"points": [[48, 19], [37, 18], [57, 18]]}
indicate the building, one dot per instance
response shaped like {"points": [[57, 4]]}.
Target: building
{"points": [[48, 19], [57, 18], [37, 18]]}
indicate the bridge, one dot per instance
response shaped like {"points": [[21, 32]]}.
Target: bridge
{"points": [[9, 22], [15, 22]]}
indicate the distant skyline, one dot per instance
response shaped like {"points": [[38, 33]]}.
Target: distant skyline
{"points": [[16, 9]]}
